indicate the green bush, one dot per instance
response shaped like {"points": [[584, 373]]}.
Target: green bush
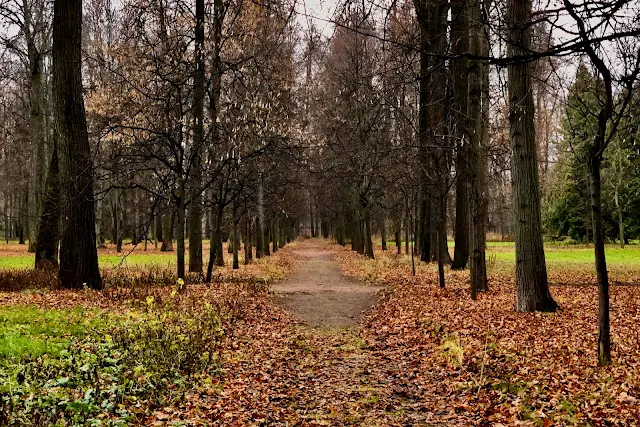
{"points": [[115, 373]]}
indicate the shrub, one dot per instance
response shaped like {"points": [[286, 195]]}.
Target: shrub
{"points": [[120, 371]]}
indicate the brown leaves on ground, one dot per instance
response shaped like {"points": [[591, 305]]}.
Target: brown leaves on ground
{"points": [[431, 357], [425, 356], [481, 363]]}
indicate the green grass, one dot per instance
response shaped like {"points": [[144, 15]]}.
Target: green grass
{"points": [[629, 256], [139, 260], [106, 261], [31, 331]]}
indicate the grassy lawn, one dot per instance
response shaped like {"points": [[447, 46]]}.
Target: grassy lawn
{"points": [[32, 331], [557, 254], [629, 256], [106, 260]]}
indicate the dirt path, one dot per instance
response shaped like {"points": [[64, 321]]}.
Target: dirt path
{"points": [[319, 294]]}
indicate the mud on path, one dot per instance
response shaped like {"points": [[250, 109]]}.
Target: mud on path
{"points": [[319, 294]]}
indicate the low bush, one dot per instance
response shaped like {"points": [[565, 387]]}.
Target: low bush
{"points": [[119, 369]]}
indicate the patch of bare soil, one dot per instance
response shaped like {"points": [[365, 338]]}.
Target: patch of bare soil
{"points": [[319, 294]]}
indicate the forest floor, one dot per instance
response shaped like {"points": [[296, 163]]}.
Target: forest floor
{"points": [[299, 353]]}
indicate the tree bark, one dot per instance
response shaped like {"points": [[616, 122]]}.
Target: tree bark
{"points": [[167, 229], [383, 233], [604, 333], [618, 204], [367, 233], [459, 81], [477, 153], [247, 239], [78, 253], [236, 240], [532, 289], [422, 14], [48, 230], [180, 208], [195, 205]]}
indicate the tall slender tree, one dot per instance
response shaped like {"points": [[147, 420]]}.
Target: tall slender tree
{"points": [[195, 206], [532, 288]]}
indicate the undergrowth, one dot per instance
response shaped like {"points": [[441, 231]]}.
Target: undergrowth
{"points": [[113, 367]]}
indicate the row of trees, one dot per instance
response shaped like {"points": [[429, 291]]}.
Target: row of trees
{"points": [[190, 126], [402, 122], [167, 119]]}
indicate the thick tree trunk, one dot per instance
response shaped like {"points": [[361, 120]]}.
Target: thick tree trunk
{"points": [[532, 289], [422, 13], [78, 253], [36, 130], [459, 81], [195, 205], [424, 241], [48, 230], [167, 229], [477, 154], [157, 228]]}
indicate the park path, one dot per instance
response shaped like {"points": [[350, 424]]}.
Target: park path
{"points": [[319, 294]]}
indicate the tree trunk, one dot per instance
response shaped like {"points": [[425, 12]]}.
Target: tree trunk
{"points": [[195, 205], [604, 340], [247, 239], [180, 229], [367, 233], [282, 238], [477, 154], [532, 289], [396, 236], [274, 235], [218, 240], [118, 220], [213, 247], [167, 229], [100, 224], [442, 247], [424, 240], [423, 16], [78, 253], [47, 239], [259, 236], [459, 81], [407, 227], [383, 233], [618, 205], [236, 240], [266, 239], [36, 131]]}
